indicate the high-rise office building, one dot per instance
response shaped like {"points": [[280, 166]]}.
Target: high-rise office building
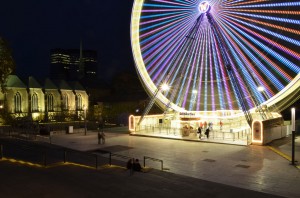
{"points": [[73, 64]]}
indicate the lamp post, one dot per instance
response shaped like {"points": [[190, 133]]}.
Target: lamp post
{"points": [[293, 136], [84, 114]]}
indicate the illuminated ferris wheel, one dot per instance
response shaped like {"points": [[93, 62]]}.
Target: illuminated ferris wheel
{"points": [[218, 54]]}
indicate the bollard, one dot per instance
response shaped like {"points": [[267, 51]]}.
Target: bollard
{"points": [[144, 161], [293, 147]]}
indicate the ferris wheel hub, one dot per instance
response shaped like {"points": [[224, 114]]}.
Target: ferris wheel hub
{"points": [[204, 7]]}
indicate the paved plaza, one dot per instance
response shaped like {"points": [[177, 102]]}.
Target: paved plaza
{"points": [[251, 167], [219, 170]]}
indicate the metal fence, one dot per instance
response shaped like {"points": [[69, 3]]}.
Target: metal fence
{"points": [[27, 129], [236, 135]]}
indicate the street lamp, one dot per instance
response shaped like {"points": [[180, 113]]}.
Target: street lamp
{"points": [[260, 88], [293, 135], [84, 114], [165, 87]]}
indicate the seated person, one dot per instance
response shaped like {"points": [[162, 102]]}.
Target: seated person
{"points": [[137, 166], [130, 163]]}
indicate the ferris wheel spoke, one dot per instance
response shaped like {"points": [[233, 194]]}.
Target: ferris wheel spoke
{"points": [[267, 49], [248, 48], [245, 52]]}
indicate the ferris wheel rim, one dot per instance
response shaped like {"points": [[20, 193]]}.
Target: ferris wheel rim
{"points": [[150, 85]]}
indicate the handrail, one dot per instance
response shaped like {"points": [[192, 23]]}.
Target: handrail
{"points": [[117, 155], [154, 159]]}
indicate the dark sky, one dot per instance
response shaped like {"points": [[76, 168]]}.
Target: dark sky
{"points": [[33, 27]]}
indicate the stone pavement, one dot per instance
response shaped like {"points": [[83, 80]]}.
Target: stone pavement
{"points": [[76, 182], [190, 169], [256, 168], [284, 148]]}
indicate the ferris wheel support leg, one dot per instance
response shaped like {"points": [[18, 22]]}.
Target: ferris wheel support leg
{"points": [[149, 106]]}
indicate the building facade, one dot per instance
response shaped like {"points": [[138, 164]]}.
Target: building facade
{"points": [[73, 64], [47, 100]]}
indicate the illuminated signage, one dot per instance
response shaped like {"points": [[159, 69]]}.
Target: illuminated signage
{"points": [[187, 114]]}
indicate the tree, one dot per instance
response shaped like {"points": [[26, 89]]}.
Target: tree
{"points": [[7, 63]]}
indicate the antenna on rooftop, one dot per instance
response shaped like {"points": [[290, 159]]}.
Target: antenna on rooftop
{"points": [[81, 62]]}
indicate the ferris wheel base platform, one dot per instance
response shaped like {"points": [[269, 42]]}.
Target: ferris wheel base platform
{"points": [[226, 131]]}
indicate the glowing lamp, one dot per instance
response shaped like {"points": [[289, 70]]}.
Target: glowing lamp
{"points": [[165, 87], [293, 119], [260, 88]]}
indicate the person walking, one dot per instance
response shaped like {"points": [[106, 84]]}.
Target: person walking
{"points": [[205, 124], [102, 137], [199, 132], [201, 125], [207, 132], [221, 125], [99, 137]]}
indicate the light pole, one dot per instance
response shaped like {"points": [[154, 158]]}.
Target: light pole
{"points": [[293, 136], [84, 114]]}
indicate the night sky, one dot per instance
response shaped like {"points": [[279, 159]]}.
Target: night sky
{"points": [[34, 27]]}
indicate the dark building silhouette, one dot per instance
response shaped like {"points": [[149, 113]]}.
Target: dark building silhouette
{"points": [[73, 64]]}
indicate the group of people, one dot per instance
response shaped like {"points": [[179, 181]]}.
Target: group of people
{"points": [[205, 126], [206, 132], [134, 164]]}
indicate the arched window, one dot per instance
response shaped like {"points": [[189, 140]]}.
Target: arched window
{"points": [[18, 102], [79, 102], [50, 102], [34, 103], [65, 102]]}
